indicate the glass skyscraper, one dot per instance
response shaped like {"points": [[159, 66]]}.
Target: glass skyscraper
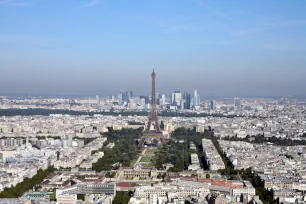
{"points": [[196, 99]]}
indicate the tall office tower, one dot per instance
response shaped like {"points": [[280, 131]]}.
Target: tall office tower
{"points": [[176, 98], [158, 98], [172, 98], [120, 97], [212, 106], [237, 102], [183, 101], [123, 96], [142, 101], [128, 95], [147, 99], [98, 99], [162, 99], [187, 98], [196, 99]]}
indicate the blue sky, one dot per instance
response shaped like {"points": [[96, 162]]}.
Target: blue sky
{"points": [[253, 47]]}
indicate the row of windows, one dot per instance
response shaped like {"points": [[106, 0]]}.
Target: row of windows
{"points": [[131, 172]]}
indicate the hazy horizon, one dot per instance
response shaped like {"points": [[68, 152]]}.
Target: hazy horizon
{"points": [[92, 95], [220, 48]]}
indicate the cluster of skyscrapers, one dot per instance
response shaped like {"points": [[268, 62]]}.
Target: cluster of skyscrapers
{"points": [[185, 100], [177, 99], [124, 96]]}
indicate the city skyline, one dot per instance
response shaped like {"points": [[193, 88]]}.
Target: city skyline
{"points": [[152, 102], [98, 47]]}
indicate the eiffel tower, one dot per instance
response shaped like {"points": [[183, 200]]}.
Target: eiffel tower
{"points": [[153, 120], [152, 134]]}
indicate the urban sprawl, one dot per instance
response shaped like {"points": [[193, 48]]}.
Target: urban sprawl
{"points": [[85, 150]]}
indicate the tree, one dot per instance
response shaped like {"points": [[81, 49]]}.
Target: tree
{"points": [[110, 175], [124, 151], [122, 197], [27, 184], [81, 197], [110, 129], [159, 164], [135, 123]]}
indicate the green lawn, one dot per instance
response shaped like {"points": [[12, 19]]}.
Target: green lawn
{"points": [[146, 165], [150, 151], [132, 163], [146, 159]]}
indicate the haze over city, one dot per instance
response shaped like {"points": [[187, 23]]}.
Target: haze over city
{"points": [[247, 48]]}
